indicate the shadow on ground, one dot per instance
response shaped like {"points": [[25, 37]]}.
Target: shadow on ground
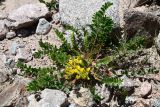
{"points": [[1, 1]]}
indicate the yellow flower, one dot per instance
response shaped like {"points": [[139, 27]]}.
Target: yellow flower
{"points": [[75, 67], [77, 77], [88, 69]]}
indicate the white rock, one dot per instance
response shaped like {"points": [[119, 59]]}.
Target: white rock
{"points": [[145, 89], [56, 18], [14, 47], [43, 27], [79, 12], [26, 15], [49, 98], [10, 35], [130, 100]]}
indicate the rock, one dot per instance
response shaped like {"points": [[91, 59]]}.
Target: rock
{"points": [[140, 23], [79, 13], [119, 72], [103, 92], [130, 100], [3, 29], [43, 27], [23, 55], [10, 63], [48, 98], [10, 35], [85, 100], [127, 84], [27, 15], [56, 18], [14, 48], [73, 105], [9, 95], [145, 89]]}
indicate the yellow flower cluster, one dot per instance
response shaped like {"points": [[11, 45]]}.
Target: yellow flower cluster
{"points": [[75, 67]]}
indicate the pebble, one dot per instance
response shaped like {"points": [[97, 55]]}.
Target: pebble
{"points": [[145, 89], [130, 100], [10, 35], [14, 47], [127, 84], [43, 27], [23, 55]]}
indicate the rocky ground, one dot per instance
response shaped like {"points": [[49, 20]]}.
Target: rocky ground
{"points": [[24, 22]]}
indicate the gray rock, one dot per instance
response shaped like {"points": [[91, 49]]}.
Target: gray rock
{"points": [[3, 29], [145, 89], [43, 27], [49, 98], [23, 55], [103, 92], [127, 84], [10, 63], [79, 12], [140, 23], [10, 35], [85, 100], [26, 15], [14, 48]]}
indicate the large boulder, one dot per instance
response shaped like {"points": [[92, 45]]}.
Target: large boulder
{"points": [[79, 12], [141, 23], [27, 15]]}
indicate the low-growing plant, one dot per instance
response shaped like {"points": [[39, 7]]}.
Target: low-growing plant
{"points": [[80, 60], [44, 78], [133, 44], [77, 58]]}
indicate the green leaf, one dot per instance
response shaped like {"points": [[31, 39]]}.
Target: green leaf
{"points": [[60, 35], [104, 61]]}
